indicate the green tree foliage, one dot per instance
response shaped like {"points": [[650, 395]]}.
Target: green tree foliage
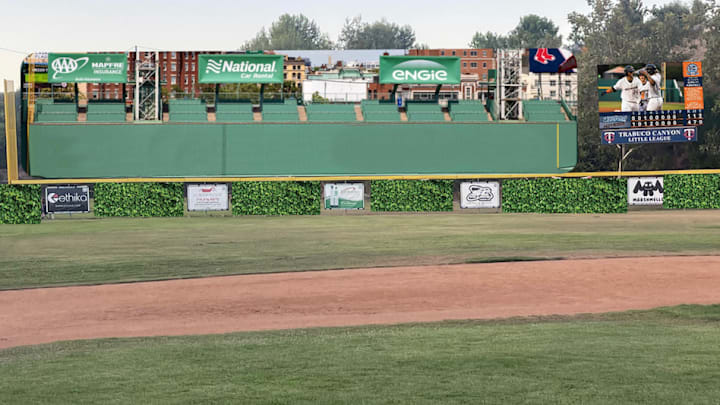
{"points": [[20, 204], [290, 32], [567, 195], [382, 34], [626, 31], [139, 200], [411, 195], [692, 191], [532, 31], [276, 198]]}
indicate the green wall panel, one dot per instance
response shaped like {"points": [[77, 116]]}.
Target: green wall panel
{"points": [[167, 150]]}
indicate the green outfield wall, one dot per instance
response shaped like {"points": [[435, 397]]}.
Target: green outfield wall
{"points": [[299, 149]]}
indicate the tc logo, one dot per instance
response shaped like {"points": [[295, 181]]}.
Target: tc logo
{"points": [[480, 193], [648, 188], [689, 133], [692, 69], [609, 137], [543, 56], [65, 65], [53, 198]]}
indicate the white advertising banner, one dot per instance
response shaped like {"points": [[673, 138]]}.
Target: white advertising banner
{"points": [[480, 194], [645, 190], [207, 197], [344, 195]]}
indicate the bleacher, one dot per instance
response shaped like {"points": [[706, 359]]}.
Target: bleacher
{"points": [[424, 112], [285, 111], [318, 112], [106, 112], [187, 110], [233, 111], [543, 111], [49, 111], [377, 111], [468, 111]]}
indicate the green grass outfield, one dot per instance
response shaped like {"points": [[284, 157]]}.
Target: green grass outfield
{"points": [[90, 251], [667, 355], [608, 106]]}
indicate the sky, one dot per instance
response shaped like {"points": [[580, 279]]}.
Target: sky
{"points": [[104, 25]]}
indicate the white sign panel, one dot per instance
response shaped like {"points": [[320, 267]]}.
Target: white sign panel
{"points": [[645, 190], [207, 197], [480, 194], [344, 195]]}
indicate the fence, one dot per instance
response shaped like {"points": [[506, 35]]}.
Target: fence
{"points": [[22, 204]]}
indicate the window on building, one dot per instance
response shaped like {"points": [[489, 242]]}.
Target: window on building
{"points": [[173, 80], [95, 94], [553, 93], [464, 53], [442, 52], [484, 65], [453, 53], [537, 83], [173, 67], [484, 76], [285, 76], [568, 83], [553, 82], [164, 66], [484, 53], [464, 64], [567, 93], [186, 67], [186, 54], [193, 66], [193, 80], [186, 80], [117, 94], [473, 64], [173, 55], [473, 53], [164, 77]]}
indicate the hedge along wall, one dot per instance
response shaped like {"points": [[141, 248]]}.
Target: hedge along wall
{"points": [[139, 200], [20, 204], [276, 198], [691, 191], [567, 195], [411, 195]]}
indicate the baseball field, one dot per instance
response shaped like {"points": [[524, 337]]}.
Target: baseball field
{"points": [[446, 308]]}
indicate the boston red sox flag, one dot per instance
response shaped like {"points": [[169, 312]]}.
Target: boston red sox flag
{"points": [[551, 60]]}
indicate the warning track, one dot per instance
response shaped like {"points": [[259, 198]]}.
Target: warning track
{"points": [[355, 297]]}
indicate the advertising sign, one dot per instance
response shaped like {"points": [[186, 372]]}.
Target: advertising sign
{"points": [[420, 69], [480, 194], [67, 199], [207, 197], [645, 190], [240, 68], [693, 91], [551, 60], [87, 67], [649, 135], [344, 196]]}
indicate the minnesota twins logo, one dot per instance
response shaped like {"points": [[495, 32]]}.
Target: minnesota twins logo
{"points": [[609, 137], [689, 133], [543, 56]]}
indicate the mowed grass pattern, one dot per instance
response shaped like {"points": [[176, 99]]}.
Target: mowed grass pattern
{"points": [[87, 251], [668, 355]]}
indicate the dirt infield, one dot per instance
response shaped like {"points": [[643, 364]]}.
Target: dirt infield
{"points": [[355, 297]]}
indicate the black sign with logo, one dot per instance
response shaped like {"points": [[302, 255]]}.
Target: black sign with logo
{"points": [[67, 199]]}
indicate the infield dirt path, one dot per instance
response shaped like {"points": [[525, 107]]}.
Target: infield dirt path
{"points": [[355, 297]]}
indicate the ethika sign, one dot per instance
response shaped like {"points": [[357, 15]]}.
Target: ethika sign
{"points": [[240, 68], [419, 70]]}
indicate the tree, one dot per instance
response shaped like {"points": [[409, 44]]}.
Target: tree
{"points": [[532, 31], [382, 34], [290, 32], [627, 32]]}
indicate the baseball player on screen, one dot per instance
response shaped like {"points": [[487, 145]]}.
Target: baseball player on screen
{"points": [[629, 86], [644, 88], [655, 101]]}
